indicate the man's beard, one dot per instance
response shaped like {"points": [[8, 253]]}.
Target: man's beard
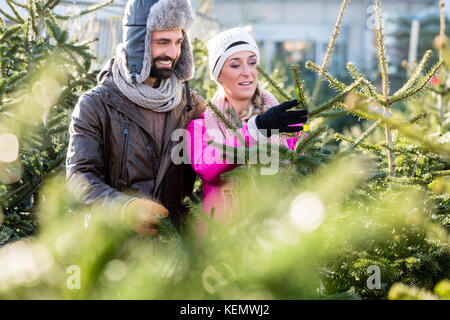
{"points": [[162, 73]]}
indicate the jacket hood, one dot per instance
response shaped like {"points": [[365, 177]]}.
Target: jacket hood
{"points": [[141, 18]]}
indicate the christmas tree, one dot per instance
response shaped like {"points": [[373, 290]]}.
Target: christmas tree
{"points": [[43, 72], [369, 220]]}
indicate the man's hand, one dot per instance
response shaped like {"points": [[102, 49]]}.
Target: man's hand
{"points": [[144, 216]]}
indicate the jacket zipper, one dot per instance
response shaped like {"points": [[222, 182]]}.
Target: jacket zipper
{"points": [[124, 147], [164, 149], [154, 160]]}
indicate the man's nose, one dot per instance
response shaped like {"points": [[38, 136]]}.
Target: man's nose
{"points": [[172, 51]]}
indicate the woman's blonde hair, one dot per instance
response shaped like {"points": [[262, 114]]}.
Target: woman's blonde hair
{"points": [[258, 105]]}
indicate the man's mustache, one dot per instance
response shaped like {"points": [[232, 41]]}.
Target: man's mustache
{"points": [[163, 58]]}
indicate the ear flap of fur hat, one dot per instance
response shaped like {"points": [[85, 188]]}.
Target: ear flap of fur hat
{"points": [[142, 17]]}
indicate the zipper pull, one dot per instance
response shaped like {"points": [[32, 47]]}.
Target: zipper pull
{"points": [[188, 96], [133, 74], [125, 132]]}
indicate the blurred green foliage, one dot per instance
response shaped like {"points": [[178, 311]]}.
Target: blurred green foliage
{"points": [[43, 73], [314, 230]]}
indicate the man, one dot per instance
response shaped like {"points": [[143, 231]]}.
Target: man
{"points": [[120, 132]]}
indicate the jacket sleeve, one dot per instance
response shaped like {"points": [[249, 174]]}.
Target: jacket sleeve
{"points": [[85, 161], [199, 104], [206, 159]]}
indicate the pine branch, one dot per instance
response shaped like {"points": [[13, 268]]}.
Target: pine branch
{"points": [[334, 83], [8, 16], [20, 5], [425, 80], [425, 179], [27, 35], [401, 150], [442, 28], [88, 10], [236, 119], [383, 66], [414, 77], [339, 136], [74, 60], [13, 82], [10, 32], [32, 9], [329, 51], [311, 136], [441, 173], [373, 93], [51, 4], [416, 118], [370, 89], [357, 112], [308, 160], [415, 135], [227, 123], [406, 180], [54, 30], [340, 86], [13, 9], [334, 100], [366, 133], [168, 234], [273, 83], [299, 88], [38, 7], [196, 208], [382, 60], [220, 115], [2, 25]]}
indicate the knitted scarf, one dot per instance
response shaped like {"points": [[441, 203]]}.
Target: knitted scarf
{"points": [[164, 98]]}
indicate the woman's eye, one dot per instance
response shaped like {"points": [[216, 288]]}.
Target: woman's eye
{"points": [[253, 62], [234, 66]]}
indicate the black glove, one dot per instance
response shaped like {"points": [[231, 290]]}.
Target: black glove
{"points": [[278, 118]]}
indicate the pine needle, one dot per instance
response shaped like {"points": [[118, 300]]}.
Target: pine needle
{"points": [[273, 83]]}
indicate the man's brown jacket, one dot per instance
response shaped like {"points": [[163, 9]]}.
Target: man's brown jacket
{"points": [[113, 157]]}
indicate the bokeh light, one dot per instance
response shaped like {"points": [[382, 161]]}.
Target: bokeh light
{"points": [[116, 270], [23, 263], [46, 91], [9, 147], [307, 212]]}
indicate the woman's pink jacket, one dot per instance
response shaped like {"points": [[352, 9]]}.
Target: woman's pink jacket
{"points": [[208, 162]]}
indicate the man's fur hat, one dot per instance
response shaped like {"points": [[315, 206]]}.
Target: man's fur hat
{"points": [[141, 18]]}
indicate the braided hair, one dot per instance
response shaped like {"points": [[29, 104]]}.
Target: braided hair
{"points": [[258, 105]]}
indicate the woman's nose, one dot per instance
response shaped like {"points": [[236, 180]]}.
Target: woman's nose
{"points": [[245, 70]]}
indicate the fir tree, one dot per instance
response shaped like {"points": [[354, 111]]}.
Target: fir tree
{"points": [[361, 216], [42, 73]]}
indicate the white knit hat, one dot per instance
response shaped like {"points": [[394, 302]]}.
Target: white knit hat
{"points": [[227, 43]]}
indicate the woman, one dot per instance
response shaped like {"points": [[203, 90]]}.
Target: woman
{"points": [[233, 60]]}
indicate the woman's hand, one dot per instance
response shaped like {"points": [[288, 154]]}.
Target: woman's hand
{"points": [[278, 118]]}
